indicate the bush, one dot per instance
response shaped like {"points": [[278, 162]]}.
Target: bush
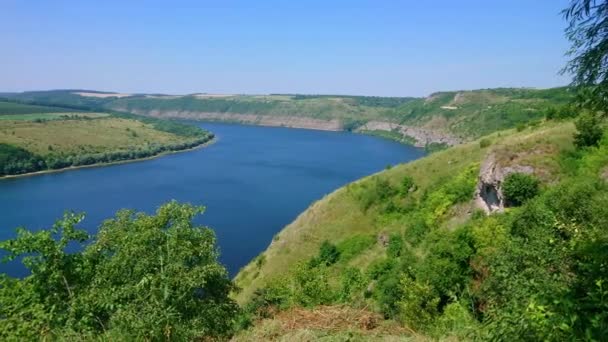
{"points": [[518, 188], [589, 131], [328, 255], [354, 245], [483, 143], [418, 304], [407, 184], [395, 246], [140, 279]]}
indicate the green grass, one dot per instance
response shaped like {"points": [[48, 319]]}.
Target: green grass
{"points": [[54, 141], [339, 216], [82, 136]]}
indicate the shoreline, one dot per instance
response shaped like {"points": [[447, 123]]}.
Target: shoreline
{"points": [[71, 168], [421, 136]]}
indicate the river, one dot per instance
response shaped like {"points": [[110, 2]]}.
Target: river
{"points": [[253, 181]]}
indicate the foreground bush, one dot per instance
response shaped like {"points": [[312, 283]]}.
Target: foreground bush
{"points": [[142, 277], [519, 188]]}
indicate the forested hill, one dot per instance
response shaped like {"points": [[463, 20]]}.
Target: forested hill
{"points": [[444, 117]]}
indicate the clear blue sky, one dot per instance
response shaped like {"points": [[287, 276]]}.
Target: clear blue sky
{"points": [[393, 48]]}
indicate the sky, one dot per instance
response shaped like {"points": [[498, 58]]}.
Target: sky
{"points": [[375, 47]]}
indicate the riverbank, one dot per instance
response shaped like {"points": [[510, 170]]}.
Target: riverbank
{"points": [[71, 168], [412, 135]]}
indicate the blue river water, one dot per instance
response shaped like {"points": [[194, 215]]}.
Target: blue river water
{"points": [[253, 181]]}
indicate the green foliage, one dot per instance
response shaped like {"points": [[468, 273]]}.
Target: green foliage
{"points": [[13, 108], [456, 320], [375, 191], [483, 143], [350, 125], [328, 255], [519, 188], [418, 304], [446, 267], [588, 21], [16, 160], [435, 147], [352, 281], [306, 285], [589, 131], [395, 246], [353, 246], [407, 185], [561, 112], [142, 277], [372, 101]]}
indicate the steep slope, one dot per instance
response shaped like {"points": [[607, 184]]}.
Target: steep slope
{"points": [[414, 243], [340, 215]]}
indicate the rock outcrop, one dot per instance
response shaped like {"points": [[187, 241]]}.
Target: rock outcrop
{"points": [[422, 136], [489, 196], [252, 119]]}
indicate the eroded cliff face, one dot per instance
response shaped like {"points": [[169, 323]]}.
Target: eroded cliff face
{"points": [[423, 136], [489, 196]]}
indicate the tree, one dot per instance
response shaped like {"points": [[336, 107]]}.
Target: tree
{"points": [[143, 277], [588, 33], [589, 130], [519, 188]]}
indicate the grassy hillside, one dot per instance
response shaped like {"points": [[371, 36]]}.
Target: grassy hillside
{"points": [[472, 114], [459, 115], [412, 244], [341, 214], [37, 138]]}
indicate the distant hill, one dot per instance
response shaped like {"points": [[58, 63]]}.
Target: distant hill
{"points": [[445, 117]]}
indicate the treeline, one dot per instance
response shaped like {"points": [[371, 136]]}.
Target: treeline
{"points": [[370, 101], [15, 160], [8, 106], [196, 104]]}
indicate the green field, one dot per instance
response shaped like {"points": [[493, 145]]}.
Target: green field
{"points": [[37, 141]]}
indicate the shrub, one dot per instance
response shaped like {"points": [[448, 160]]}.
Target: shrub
{"points": [[354, 245], [483, 143], [395, 246], [589, 131], [352, 280], [518, 187], [328, 255], [418, 303], [140, 279], [407, 184]]}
